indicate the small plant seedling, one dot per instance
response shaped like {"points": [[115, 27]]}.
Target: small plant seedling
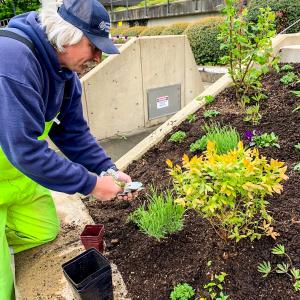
{"points": [[210, 113], [177, 137], [281, 268], [265, 140], [191, 118], [182, 291], [215, 286], [290, 77], [258, 97], [297, 146], [252, 114], [199, 145], [287, 68], [207, 99], [297, 167]]}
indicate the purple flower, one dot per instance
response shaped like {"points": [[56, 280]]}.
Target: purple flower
{"points": [[249, 135]]}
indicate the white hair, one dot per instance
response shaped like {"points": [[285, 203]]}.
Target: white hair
{"points": [[59, 32]]}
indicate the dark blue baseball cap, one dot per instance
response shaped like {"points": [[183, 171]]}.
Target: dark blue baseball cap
{"points": [[92, 19]]}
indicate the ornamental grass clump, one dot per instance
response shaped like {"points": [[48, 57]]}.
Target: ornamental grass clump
{"points": [[225, 137], [161, 217], [229, 190]]}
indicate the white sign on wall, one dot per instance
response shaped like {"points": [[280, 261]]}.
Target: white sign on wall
{"points": [[162, 102]]}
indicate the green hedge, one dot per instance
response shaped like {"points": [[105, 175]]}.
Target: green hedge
{"points": [[287, 12], [152, 30], [175, 29], [203, 40], [134, 31]]}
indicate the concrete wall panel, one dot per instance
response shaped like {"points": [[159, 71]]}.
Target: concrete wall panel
{"points": [[114, 94]]}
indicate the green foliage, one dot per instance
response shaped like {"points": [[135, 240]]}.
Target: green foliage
{"points": [[287, 68], [252, 114], [204, 42], [230, 189], [290, 77], [226, 138], [265, 140], [191, 118], [152, 31], [215, 286], [207, 99], [286, 11], [297, 108], [177, 137], [249, 48], [297, 167], [134, 31], [210, 113], [182, 291], [297, 146], [162, 216], [118, 31], [9, 8], [175, 29], [281, 268]]}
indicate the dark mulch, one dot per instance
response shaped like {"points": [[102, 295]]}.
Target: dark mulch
{"points": [[151, 268]]}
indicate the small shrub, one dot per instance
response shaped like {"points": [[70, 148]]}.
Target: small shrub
{"points": [[252, 114], [191, 118], [134, 31], [118, 31], [175, 29], [182, 291], [287, 12], [162, 216], [226, 138], [177, 137], [230, 189], [208, 99], [264, 140], [152, 31], [204, 42]]}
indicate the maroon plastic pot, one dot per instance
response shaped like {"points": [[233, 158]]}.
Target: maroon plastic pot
{"points": [[92, 237]]}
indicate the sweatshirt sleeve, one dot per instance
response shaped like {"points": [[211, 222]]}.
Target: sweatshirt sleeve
{"points": [[73, 137], [22, 122]]}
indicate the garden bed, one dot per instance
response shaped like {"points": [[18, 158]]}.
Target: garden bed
{"points": [[151, 269]]}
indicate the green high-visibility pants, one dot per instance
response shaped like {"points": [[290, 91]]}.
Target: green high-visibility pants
{"points": [[27, 217]]}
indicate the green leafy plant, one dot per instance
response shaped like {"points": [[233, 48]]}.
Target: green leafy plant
{"points": [[297, 108], [287, 68], [297, 93], [290, 77], [210, 113], [230, 189], [182, 291], [177, 137], [252, 114], [207, 99], [259, 97], [226, 138], [248, 44], [281, 268], [297, 146], [264, 140], [152, 30], [215, 286], [191, 118], [161, 217], [175, 29], [297, 167]]}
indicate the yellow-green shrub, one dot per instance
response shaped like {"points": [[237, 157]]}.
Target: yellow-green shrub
{"points": [[134, 31], [118, 31], [230, 189], [152, 31], [204, 42], [175, 29]]}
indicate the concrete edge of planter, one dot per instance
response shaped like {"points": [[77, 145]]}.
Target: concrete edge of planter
{"points": [[156, 136]]}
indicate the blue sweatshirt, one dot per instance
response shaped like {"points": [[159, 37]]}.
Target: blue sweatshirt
{"points": [[31, 93]]}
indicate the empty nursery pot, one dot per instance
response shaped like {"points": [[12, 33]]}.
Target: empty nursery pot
{"points": [[92, 237], [89, 275]]}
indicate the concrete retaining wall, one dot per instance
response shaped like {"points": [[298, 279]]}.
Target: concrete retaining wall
{"points": [[115, 92]]}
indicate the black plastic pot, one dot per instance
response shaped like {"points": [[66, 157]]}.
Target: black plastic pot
{"points": [[89, 275], [92, 237]]}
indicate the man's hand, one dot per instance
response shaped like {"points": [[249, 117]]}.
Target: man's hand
{"points": [[123, 177], [106, 188]]}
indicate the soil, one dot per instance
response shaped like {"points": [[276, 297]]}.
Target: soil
{"points": [[151, 269]]}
